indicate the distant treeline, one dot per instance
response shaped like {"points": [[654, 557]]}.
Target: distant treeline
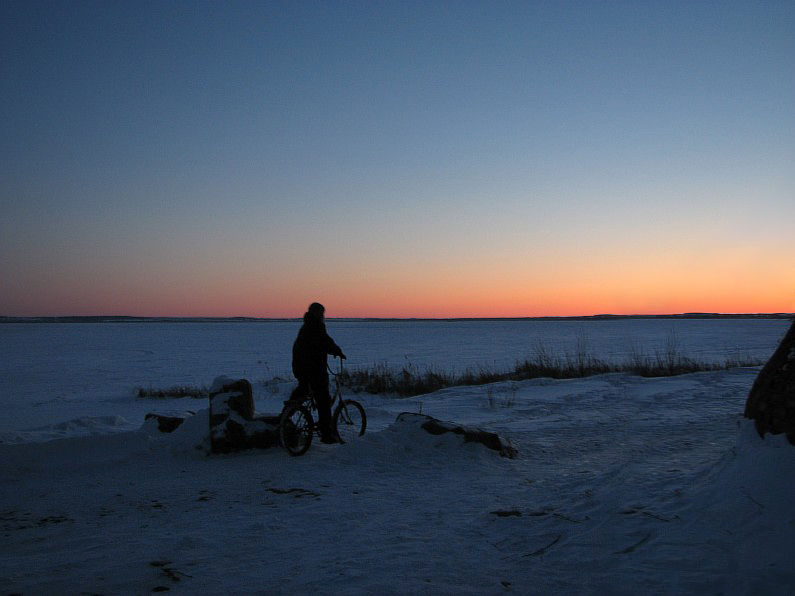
{"points": [[124, 319], [604, 317]]}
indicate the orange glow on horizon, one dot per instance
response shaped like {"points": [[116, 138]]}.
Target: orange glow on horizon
{"points": [[573, 297], [736, 283]]}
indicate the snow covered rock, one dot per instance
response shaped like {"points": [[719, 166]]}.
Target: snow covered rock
{"points": [[234, 424], [771, 401], [168, 422], [438, 427]]}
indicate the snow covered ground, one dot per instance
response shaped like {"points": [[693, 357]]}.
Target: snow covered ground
{"points": [[51, 374], [622, 485]]}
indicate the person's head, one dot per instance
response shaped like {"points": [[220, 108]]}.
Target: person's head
{"points": [[317, 310]]}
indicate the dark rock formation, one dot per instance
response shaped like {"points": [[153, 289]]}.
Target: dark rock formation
{"points": [[438, 427], [771, 401], [168, 423], [234, 424]]}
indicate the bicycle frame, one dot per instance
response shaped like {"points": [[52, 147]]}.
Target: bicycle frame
{"points": [[348, 418], [337, 382], [336, 396], [309, 399]]}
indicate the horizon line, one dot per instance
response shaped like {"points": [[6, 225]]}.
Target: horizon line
{"points": [[602, 316]]}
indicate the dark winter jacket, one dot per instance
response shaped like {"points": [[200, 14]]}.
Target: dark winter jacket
{"points": [[311, 348]]}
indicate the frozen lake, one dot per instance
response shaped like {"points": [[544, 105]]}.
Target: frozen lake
{"points": [[622, 484], [55, 372]]}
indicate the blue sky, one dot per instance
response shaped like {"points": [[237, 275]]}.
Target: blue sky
{"points": [[397, 158]]}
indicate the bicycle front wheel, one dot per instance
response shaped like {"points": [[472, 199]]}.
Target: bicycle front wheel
{"points": [[296, 429], [349, 420]]}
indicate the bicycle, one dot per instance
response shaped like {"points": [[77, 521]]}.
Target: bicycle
{"points": [[297, 426]]}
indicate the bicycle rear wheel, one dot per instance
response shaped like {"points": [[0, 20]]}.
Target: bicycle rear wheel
{"points": [[296, 429], [350, 420]]}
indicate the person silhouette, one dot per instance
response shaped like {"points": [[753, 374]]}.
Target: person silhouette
{"points": [[311, 349]]}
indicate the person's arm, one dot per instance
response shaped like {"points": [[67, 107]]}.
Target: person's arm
{"points": [[332, 348]]}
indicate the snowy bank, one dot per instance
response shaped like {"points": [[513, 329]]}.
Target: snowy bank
{"points": [[622, 485]]}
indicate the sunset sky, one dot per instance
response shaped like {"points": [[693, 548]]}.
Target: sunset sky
{"points": [[396, 159]]}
